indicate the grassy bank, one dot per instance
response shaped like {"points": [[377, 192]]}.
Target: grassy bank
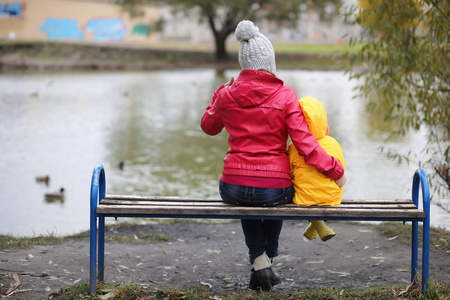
{"points": [[67, 56], [12, 242], [132, 291]]}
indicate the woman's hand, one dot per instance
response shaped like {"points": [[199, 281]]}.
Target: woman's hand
{"points": [[230, 83], [341, 181]]}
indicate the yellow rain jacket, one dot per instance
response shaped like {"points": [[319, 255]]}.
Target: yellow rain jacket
{"points": [[311, 186]]}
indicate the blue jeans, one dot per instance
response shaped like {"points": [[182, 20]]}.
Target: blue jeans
{"points": [[260, 235]]}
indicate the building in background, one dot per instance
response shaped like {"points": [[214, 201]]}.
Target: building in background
{"points": [[88, 21], [76, 21]]}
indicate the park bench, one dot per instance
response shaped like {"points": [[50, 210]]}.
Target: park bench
{"points": [[103, 206]]}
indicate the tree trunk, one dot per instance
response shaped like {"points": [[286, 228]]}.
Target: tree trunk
{"points": [[221, 51], [220, 37]]}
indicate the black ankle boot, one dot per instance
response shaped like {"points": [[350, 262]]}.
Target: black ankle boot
{"points": [[267, 278], [254, 282], [275, 279]]}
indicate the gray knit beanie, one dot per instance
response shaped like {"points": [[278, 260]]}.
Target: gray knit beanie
{"points": [[255, 50]]}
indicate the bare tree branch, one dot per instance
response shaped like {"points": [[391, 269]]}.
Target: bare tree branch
{"points": [[435, 4]]}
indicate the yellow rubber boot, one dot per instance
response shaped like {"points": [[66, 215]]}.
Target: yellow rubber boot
{"points": [[323, 230], [310, 232]]}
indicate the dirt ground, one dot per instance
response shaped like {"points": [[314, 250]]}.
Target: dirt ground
{"points": [[215, 255]]}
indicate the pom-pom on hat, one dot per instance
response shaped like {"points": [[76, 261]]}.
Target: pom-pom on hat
{"points": [[255, 50]]}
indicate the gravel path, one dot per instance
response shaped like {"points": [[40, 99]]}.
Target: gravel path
{"points": [[215, 255]]}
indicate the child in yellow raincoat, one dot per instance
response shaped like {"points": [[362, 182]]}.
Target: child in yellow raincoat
{"points": [[311, 186]]}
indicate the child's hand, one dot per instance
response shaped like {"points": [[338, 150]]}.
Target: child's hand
{"points": [[229, 83], [341, 181]]}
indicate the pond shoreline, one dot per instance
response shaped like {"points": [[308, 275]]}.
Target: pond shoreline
{"points": [[72, 56]]}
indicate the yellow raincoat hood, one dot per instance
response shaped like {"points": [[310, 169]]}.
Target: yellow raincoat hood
{"points": [[311, 186], [315, 116]]}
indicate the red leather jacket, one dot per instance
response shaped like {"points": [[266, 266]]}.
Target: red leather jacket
{"points": [[259, 113]]}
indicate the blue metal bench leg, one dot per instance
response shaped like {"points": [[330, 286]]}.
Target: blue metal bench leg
{"points": [[98, 190], [414, 250], [101, 248], [421, 178], [93, 246], [426, 238]]}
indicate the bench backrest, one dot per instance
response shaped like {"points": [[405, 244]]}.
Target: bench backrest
{"points": [[190, 207]]}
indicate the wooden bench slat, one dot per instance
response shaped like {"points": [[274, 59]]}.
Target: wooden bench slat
{"points": [[376, 201], [162, 198], [222, 205], [282, 211], [203, 199]]}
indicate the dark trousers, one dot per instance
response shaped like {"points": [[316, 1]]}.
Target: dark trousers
{"points": [[260, 235]]}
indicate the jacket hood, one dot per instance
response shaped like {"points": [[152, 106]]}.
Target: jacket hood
{"points": [[315, 116], [252, 88]]}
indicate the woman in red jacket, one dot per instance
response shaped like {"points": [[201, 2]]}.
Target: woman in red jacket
{"points": [[259, 113]]}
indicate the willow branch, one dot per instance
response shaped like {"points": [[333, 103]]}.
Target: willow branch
{"points": [[437, 7]]}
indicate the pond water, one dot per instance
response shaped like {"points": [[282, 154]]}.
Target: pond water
{"points": [[63, 124]]}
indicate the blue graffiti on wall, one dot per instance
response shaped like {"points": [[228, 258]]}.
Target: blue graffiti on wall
{"points": [[142, 29], [10, 10], [106, 29], [58, 29]]}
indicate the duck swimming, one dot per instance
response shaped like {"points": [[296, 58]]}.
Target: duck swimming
{"points": [[43, 179], [57, 196]]}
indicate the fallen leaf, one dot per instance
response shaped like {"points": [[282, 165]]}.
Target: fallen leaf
{"points": [[15, 285], [206, 284], [175, 296], [402, 270], [392, 238], [107, 296], [341, 274], [406, 290], [315, 262], [53, 295], [33, 274], [107, 290]]}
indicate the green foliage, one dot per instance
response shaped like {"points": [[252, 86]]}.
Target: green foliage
{"points": [[135, 237], [8, 241], [405, 59], [74, 292]]}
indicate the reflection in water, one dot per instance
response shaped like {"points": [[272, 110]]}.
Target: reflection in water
{"points": [[158, 134], [150, 121]]}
